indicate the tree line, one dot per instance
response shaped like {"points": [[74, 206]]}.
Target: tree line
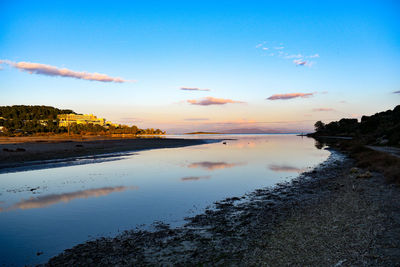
{"points": [[22, 120], [380, 128]]}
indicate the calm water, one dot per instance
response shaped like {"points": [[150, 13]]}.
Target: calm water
{"points": [[52, 209]]}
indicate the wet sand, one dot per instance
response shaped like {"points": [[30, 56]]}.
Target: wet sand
{"points": [[334, 215], [20, 152]]}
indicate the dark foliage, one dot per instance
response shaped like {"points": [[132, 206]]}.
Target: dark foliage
{"points": [[383, 128], [29, 120]]}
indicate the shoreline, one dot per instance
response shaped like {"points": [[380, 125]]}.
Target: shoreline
{"points": [[327, 216], [22, 156]]}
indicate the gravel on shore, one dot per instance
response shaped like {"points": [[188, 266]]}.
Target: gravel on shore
{"points": [[335, 215]]}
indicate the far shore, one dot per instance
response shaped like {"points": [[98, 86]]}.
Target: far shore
{"points": [[27, 151]]}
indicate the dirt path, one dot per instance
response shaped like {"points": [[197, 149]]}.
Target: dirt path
{"points": [[395, 151]]}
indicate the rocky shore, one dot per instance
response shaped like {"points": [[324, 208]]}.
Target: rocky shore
{"points": [[335, 215]]}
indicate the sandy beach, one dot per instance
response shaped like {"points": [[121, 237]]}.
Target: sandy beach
{"points": [[28, 151]]}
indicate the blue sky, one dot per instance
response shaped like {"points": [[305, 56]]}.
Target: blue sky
{"points": [[243, 51]]}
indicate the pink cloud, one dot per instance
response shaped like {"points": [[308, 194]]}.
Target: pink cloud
{"points": [[212, 101], [323, 109], [300, 62], [289, 96], [196, 119], [43, 69], [193, 89]]}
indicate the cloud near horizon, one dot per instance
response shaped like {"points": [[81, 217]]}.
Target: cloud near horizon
{"points": [[396, 92], [323, 109], [212, 101], [290, 96], [196, 119], [48, 70], [194, 89]]}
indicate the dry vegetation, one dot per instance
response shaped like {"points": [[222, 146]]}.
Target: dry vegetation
{"points": [[373, 160]]}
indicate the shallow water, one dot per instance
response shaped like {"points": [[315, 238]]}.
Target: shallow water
{"points": [[49, 210]]}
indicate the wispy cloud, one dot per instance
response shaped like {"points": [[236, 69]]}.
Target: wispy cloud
{"points": [[314, 56], [211, 166], [196, 119], [280, 52], [43, 69], [300, 62], [396, 92], [193, 89], [294, 56], [212, 101], [323, 109], [289, 96], [195, 178]]}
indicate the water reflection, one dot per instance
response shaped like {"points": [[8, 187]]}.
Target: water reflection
{"points": [[195, 178], [44, 201], [319, 144], [172, 182], [211, 166], [244, 144], [284, 168]]}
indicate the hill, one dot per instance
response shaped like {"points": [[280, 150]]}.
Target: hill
{"points": [[21, 120]]}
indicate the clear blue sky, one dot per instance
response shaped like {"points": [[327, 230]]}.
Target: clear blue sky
{"points": [[243, 51]]}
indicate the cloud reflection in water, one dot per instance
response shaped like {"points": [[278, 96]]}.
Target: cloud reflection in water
{"points": [[44, 201], [195, 178], [211, 166], [284, 168]]}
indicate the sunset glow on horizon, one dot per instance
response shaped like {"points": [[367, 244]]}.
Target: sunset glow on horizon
{"points": [[206, 65]]}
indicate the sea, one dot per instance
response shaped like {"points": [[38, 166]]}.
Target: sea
{"points": [[52, 207]]}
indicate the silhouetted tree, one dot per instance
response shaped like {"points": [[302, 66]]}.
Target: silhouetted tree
{"points": [[319, 126]]}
